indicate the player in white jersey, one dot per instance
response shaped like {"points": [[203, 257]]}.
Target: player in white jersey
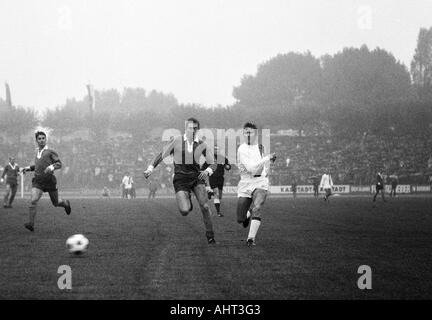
{"points": [[326, 184], [127, 185], [254, 182]]}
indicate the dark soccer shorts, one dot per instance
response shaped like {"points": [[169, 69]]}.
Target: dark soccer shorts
{"points": [[379, 187], [12, 184], [47, 183], [216, 182], [183, 182]]}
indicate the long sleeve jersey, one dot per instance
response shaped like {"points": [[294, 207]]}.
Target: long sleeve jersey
{"points": [[45, 158], [11, 172], [326, 181], [252, 164], [186, 155]]}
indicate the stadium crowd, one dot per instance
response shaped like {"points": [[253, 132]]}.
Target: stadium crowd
{"points": [[352, 160]]}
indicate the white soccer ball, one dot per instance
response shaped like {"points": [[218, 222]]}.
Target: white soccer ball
{"points": [[77, 244]]}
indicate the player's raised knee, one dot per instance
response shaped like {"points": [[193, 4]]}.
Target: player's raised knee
{"points": [[205, 206]]}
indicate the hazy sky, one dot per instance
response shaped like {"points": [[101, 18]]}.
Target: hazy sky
{"points": [[195, 49]]}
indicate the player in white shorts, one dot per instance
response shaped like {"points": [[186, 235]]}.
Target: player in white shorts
{"points": [[254, 183], [326, 184]]}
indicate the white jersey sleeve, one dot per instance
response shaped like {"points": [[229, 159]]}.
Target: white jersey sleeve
{"points": [[249, 165]]}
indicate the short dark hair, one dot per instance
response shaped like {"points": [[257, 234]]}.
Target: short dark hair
{"points": [[195, 121], [250, 125], [39, 133]]}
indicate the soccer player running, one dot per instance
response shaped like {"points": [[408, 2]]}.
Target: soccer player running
{"points": [[379, 187], [44, 180], [315, 183], [327, 184], [216, 180], [11, 172], [188, 177], [125, 186], [254, 182]]}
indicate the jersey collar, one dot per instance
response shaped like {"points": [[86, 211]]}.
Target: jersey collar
{"points": [[185, 138], [39, 153]]}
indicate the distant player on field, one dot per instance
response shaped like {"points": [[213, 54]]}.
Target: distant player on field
{"points": [[394, 184], [379, 187], [126, 185], [44, 180], [294, 188], [254, 182], [315, 183], [188, 177], [327, 184], [216, 180], [11, 172], [153, 186], [105, 192]]}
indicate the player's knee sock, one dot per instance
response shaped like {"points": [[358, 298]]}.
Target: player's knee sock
{"points": [[254, 226], [11, 199], [205, 209], [217, 204]]}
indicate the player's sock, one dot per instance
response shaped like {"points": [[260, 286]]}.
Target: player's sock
{"points": [[67, 207], [254, 226], [217, 205], [61, 203]]}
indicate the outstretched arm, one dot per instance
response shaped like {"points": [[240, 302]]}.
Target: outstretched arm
{"points": [[56, 163], [211, 163], [28, 168], [3, 174], [167, 150]]}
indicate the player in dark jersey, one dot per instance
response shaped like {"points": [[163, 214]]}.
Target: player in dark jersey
{"points": [[394, 184], [11, 172], [294, 188], [379, 187], [315, 184], [187, 150], [216, 180], [44, 180]]}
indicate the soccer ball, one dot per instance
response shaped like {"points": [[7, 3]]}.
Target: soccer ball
{"points": [[77, 244]]}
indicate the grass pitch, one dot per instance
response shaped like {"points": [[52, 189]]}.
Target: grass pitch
{"points": [[144, 249]]}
